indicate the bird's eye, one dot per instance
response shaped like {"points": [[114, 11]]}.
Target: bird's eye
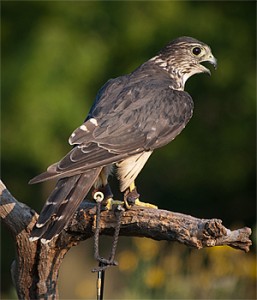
{"points": [[196, 50]]}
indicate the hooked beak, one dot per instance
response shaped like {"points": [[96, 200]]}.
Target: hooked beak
{"points": [[210, 59]]}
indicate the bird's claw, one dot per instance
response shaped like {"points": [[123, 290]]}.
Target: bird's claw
{"points": [[145, 204], [131, 198], [111, 202]]}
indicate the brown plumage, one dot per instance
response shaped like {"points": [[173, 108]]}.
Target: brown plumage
{"points": [[132, 115]]}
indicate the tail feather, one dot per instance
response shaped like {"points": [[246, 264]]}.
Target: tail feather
{"points": [[62, 204], [57, 198]]}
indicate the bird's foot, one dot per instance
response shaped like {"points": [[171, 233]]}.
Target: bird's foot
{"points": [[131, 197], [109, 203], [145, 204]]}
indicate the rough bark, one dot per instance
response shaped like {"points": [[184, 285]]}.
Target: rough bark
{"points": [[36, 266]]}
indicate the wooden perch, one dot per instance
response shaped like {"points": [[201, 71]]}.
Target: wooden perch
{"points": [[35, 270]]}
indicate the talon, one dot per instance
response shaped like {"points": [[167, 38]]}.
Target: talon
{"points": [[131, 197], [144, 204], [128, 206]]}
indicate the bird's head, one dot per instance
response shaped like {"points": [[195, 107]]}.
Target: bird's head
{"points": [[183, 57]]}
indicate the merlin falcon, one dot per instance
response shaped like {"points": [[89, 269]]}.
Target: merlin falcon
{"points": [[132, 115]]}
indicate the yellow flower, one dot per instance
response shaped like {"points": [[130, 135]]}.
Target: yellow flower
{"points": [[154, 277], [128, 261], [147, 248]]}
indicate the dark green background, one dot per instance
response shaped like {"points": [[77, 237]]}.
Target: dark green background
{"points": [[55, 57]]}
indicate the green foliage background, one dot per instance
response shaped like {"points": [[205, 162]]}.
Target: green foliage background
{"points": [[57, 54]]}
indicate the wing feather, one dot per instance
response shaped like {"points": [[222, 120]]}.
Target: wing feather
{"points": [[129, 116]]}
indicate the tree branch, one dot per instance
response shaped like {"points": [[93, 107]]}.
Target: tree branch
{"points": [[35, 270], [161, 225]]}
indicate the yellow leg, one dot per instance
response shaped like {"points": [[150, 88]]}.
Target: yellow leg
{"points": [[131, 188], [110, 202]]}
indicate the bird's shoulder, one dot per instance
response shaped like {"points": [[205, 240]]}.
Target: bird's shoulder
{"points": [[146, 85], [133, 107]]}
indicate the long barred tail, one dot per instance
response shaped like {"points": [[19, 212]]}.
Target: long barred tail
{"points": [[62, 204]]}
